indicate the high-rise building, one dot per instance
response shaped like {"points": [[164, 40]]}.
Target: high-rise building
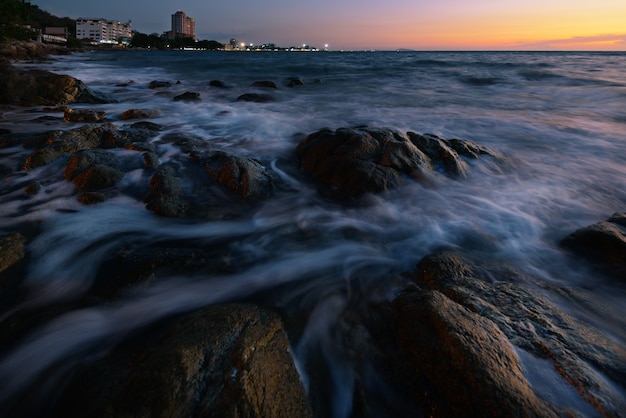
{"points": [[183, 26], [102, 30]]}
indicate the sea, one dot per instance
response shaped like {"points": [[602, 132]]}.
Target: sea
{"points": [[558, 119]]}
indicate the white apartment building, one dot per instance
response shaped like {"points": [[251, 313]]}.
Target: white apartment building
{"points": [[102, 30]]}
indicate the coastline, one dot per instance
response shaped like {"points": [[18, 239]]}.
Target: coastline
{"points": [[449, 307]]}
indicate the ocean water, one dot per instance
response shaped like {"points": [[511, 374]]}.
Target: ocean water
{"points": [[558, 119]]}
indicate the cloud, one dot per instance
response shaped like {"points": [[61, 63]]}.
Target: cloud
{"points": [[613, 42]]}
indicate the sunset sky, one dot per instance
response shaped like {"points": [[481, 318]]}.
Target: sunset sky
{"points": [[373, 24]]}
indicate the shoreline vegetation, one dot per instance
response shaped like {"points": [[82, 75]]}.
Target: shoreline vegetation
{"points": [[453, 340]]}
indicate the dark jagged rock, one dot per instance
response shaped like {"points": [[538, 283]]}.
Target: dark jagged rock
{"points": [[187, 96], [576, 350], [245, 176], [84, 159], [156, 84], [443, 157], [469, 149], [357, 161], [93, 175], [166, 196], [226, 361], [218, 83], [294, 82], [139, 114], [255, 97], [362, 160], [265, 84], [83, 115], [604, 243], [11, 250], [58, 144], [38, 87]]}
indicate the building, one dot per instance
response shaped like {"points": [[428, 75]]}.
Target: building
{"points": [[182, 26], [57, 35], [103, 31]]}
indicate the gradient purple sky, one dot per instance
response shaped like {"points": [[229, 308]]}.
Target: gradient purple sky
{"points": [[374, 24]]}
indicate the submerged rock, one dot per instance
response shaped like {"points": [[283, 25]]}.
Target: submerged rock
{"points": [[157, 84], [603, 243], [218, 84], [255, 97], [83, 115], [222, 361], [188, 96], [139, 114], [11, 250], [265, 84]]}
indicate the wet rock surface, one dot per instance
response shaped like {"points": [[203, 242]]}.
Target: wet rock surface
{"points": [[221, 361], [582, 356], [11, 249], [39, 87], [603, 243], [355, 161]]}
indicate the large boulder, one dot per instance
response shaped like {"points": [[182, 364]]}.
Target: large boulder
{"points": [[467, 366], [39, 87], [361, 160], [354, 161], [577, 351], [221, 361], [603, 243], [93, 170]]}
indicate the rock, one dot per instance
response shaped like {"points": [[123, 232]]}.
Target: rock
{"points": [[469, 149], [91, 198], [218, 83], [466, 365], [255, 97], [58, 144], [84, 159], [225, 360], [576, 350], [603, 243], [156, 84], [133, 267], [264, 84], [38, 87], [11, 250], [150, 160], [294, 82], [363, 160], [149, 126], [83, 115], [188, 96], [139, 114], [166, 196], [444, 158], [246, 176]]}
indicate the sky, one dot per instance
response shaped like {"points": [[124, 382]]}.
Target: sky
{"points": [[381, 25]]}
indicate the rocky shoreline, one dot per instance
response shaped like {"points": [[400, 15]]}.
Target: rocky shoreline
{"points": [[448, 343]]}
